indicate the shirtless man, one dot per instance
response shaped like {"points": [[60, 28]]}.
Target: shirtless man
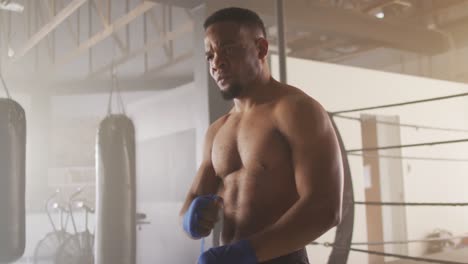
{"points": [[272, 164]]}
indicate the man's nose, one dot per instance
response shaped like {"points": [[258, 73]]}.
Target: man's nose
{"points": [[218, 62]]}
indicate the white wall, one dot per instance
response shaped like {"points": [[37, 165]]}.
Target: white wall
{"points": [[340, 87]]}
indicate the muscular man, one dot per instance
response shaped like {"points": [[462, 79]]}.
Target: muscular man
{"points": [[272, 164]]}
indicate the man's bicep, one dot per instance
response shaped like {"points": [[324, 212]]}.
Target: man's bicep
{"points": [[315, 150], [205, 180], [318, 166]]}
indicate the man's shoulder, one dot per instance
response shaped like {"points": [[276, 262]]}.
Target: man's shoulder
{"points": [[299, 115], [294, 101]]}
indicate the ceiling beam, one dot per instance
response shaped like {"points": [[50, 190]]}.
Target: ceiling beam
{"points": [[362, 49], [181, 3], [174, 61], [157, 43], [49, 27], [71, 31], [108, 31], [375, 5], [131, 85], [105, 22], [302, 15], [93, 86]]}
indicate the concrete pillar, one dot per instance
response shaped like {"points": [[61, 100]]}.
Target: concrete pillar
{"points": [[384, 182]]}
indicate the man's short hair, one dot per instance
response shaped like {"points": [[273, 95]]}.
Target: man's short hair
{"points": [[239, 15]]}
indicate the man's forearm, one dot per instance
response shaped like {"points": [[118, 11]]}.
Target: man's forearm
{"points": [[304, 222]]}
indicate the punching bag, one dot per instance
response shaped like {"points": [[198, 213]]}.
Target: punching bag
{"points": [[115, 194], [12, 180]]}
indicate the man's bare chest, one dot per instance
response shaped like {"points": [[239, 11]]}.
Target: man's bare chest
{"points": [[247, 143]]}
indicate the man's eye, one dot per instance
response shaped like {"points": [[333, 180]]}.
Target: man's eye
{"points": [[228, 50], [209, 57]]}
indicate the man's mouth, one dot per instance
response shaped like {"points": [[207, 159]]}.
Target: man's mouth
{"points": [[222, 79]]}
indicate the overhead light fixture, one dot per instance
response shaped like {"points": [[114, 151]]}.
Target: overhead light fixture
{"points": [[380, 15], [7, 5], [378, 10], [11, 52]]}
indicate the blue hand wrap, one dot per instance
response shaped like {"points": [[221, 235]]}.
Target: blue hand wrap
{"points": [[191, 217], [240, 252]]}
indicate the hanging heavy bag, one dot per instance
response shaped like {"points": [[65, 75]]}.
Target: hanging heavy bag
{"points": [[12, 180], [115, 183]]}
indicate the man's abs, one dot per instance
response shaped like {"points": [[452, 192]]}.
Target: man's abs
{"points": [[253, 201]]}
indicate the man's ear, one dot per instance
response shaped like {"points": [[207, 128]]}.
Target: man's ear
{"points": [[262, 47]]}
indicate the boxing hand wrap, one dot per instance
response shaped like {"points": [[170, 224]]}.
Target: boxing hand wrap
{"points": [[192, 216], [240, 252]]}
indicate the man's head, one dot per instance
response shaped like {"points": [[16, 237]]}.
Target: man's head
{"points": [[236, 49], [241, 16]]}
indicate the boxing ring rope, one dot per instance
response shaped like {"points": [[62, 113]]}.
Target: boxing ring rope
{"points": [[344, 231], [407, 157], [343, 238], [397, 242], [415, 126], [335, 246], [405, 257], [409, 204], [399, 104], [433, 143]]}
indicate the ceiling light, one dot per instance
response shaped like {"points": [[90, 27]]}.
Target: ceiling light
{"points": [[380, 15], [11, 6], [11, 52]]}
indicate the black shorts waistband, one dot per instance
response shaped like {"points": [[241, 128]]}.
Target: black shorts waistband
{"points": [[297, 257]]}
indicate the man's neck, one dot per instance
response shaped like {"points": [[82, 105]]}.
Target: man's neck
{"points": [[258, 93]]}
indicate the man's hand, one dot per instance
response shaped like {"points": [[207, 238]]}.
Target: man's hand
{"points": [[238, 253], [202, 215]]}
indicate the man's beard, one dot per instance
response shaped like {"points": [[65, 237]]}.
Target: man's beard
{"points": [[231, 92]]}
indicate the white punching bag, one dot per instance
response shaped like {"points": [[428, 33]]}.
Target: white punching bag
{"points": [[115, 197], [12, 180]]}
